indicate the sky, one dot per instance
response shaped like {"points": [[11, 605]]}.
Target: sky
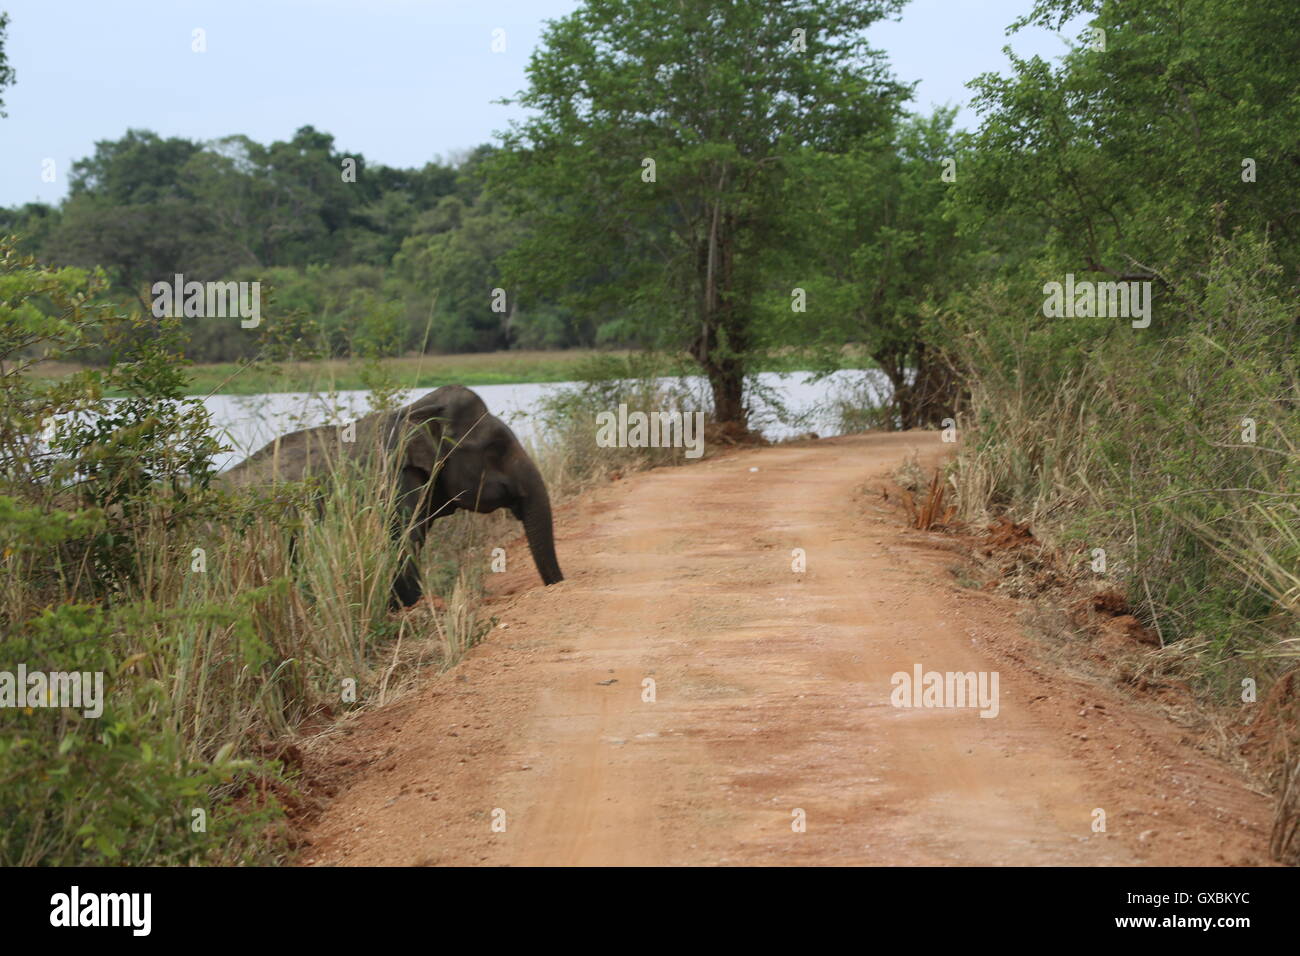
{"points": [[400, 81]]}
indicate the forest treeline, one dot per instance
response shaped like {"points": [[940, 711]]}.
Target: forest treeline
{"points": [[380, 260]]}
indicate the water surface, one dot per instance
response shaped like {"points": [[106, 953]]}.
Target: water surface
{"points": [[246, 422]]}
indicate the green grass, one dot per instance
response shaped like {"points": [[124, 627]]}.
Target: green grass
{"points": [[425, 371], [430, 371]]}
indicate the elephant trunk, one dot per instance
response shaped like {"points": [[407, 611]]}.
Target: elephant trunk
{"points": [[535, 513]]}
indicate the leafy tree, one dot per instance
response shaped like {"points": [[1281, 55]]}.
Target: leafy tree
{"points": [[259, 216], [886, 254], [458, 267], [6, 71], [721, 97], [95, 496], [1176, 110], [129, 211], [32, 223], [138, 169], [144, 207]]}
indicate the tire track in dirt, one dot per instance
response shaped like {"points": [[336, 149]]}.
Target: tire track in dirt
{"points": [[772, 694]]}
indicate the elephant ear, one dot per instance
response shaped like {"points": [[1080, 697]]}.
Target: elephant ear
{"points": [[437, 423]]}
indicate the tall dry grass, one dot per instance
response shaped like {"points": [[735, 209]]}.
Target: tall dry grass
{"points": [[1175, 449]]}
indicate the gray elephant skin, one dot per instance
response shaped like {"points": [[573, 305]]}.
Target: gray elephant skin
{"points": [[445, 452]]}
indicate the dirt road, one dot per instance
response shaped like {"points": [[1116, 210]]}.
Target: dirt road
{"points": [[771, 703]]}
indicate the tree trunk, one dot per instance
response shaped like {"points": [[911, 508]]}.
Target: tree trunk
{"points": [[723, 338], [930, 396], [934, 390], [894, 365], [727, 383]]}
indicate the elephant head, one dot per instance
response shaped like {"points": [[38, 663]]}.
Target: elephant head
{"points": [[465, 458], [448, 453]]}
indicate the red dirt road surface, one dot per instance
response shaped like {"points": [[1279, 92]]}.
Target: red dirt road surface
{"points": [[771, 703]]}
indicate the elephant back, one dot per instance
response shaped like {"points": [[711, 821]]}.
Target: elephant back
{"points": [[302, 454]]}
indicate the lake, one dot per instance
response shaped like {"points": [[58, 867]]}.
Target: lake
{"points": [[246, 422]]}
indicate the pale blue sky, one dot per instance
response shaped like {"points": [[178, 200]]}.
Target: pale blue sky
{"points": [[400, 81]]}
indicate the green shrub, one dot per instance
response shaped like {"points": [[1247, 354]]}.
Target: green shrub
{"points": [[1135, 441], [80, 593]]}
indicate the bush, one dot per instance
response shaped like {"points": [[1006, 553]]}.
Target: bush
{"points": [[569, 417], [79, 595], [1175, 448]]}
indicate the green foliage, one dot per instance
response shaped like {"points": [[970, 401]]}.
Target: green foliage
{"points": [[318, 233], [217, 621], [882, 253], [457, 267], [6, 71], [722, 98], [108, 788], [1119, 154], [119, 786], [66, 442], [644, 381], [147, 207], [1129, 159], [1133, 441]]}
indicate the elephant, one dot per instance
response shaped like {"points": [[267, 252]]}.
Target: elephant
{"points": [[445, 453]]}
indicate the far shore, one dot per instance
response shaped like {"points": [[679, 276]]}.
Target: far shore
{"points": [[429, 371]]}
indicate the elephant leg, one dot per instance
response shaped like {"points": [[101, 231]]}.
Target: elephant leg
{"points": [[408, 527], [296, 533], [406, 586]]}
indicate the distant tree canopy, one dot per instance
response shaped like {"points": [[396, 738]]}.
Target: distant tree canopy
{"points": [[342, 239]]}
